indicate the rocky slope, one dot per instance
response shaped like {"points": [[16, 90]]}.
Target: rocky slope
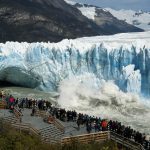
{"points": [[140, 18], [42, 20], [47, 20]]}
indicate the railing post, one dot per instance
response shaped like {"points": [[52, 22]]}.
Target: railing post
{"points": [[49, 138], [93, 137], [123, 141], [30, 129], [20, 127], [108, 134]]}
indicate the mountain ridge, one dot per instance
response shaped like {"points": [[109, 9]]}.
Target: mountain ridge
{"points": [[140, 18], [46, 20]]}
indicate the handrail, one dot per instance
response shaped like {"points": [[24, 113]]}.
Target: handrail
{"points": [[26, 126], [59, 125], [17, 113], [23, 126], [86, 138], [37, 132], [125, 141]]}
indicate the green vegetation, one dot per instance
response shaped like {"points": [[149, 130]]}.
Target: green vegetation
{"points": [[107, 145], [11, 139]]}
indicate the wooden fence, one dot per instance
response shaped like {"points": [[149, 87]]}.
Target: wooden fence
{"points": [[101, 136], [26, 127], [21, 126], [87, 138], [130, 144]]}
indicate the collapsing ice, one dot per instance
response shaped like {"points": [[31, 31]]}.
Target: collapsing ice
{"points": [[122, 58]]}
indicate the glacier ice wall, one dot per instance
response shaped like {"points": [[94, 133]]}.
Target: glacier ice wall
{"points": [[124, 58]]}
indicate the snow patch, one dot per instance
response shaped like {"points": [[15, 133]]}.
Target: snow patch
{"points": [[88, 12], [70, 2], [139, 19]]}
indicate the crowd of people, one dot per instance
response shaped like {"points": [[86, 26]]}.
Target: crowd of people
{"points": [[92, 123], [97, 124]]}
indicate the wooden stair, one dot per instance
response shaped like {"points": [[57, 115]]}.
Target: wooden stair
{"points": [[51, 134], [15, 123], [11, 119]]}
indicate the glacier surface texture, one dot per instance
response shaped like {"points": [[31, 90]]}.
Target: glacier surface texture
{"points": [[123, 58]]}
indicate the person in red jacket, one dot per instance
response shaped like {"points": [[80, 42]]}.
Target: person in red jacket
{"points": [[104, 125]]}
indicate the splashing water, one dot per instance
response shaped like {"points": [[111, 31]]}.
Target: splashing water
{"points": [[87, 94]]}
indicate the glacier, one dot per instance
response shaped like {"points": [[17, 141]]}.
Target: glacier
{"points": [[106, 76], [123, 58]]}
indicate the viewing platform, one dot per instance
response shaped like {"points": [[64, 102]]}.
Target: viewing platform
{"points": [[61, 132]]}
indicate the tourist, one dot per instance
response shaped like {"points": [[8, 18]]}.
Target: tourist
{"points": [[91, 123]]}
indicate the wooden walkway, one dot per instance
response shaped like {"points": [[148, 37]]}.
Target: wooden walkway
{"points": [[55, 132], [102, 136], [15, 123]]}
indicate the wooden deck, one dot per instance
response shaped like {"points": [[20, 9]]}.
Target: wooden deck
{"points": [[55, 133]]}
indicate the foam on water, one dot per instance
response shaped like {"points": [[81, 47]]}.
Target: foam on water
{"points": [[89, 95]]}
